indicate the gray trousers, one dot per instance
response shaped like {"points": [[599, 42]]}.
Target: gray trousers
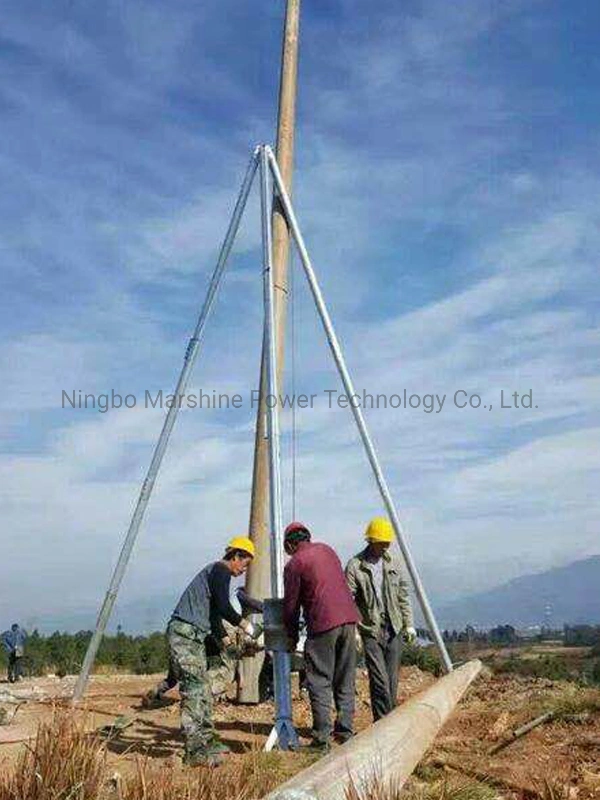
{"points": [[330, 661], [382, 657]]}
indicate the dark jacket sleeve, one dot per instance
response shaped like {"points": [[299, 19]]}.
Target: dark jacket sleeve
{"points": [[249, 603], [291, 602], [219, 581]]}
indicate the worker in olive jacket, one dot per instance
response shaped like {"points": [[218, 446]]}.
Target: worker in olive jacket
{"points": [[381, 594]]}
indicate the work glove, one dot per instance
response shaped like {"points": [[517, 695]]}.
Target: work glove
{"points": [[411, 635], [251, 629], [250, 647]]}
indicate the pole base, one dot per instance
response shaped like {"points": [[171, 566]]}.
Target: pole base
{"points": [[283, 735]]}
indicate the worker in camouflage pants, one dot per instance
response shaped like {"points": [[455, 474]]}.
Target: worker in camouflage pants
{"points": [[222, 668], [222, 664], [188, 650], [198, 617]]}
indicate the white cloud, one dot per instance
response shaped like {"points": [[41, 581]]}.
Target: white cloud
{"points": [[411, 137]]}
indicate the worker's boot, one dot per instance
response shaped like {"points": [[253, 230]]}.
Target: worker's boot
{"points": [[219, 746], [318, 746], [211, 755], [152, 699], [342, 735], [204, 758]]}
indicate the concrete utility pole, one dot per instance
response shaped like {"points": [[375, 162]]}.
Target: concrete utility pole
{"points": [[258, 582], [387, 752]]}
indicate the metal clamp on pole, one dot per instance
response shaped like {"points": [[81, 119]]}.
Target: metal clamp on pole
{"points": [[276, 639]]}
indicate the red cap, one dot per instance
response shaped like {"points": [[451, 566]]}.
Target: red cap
{"points": [[295, 527]]}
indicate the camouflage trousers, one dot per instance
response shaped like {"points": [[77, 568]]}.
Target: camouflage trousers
{"points": [[221, 673], [188, 657]]}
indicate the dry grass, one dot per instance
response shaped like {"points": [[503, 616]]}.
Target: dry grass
{"points": [[557, 786], [574, 700], [63, 763], [254, 777], [67, 763], [442, 788], [452, 789], [566, 701]]}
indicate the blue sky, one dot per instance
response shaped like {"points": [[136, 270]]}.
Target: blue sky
{"points": [[447, 184]]}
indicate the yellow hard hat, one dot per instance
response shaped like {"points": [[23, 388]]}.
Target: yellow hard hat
{"points": [[380, 530], [242, 543]]}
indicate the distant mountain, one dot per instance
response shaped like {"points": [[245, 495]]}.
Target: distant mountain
{"points": [[571, 594]]}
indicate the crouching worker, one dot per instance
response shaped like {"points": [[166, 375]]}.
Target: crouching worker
{"points": [[381, 593], [200, 613], [314, 583]]}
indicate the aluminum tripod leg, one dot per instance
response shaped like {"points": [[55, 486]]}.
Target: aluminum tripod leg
{"points": [[163, 440], [283, 731], [357, 412]]}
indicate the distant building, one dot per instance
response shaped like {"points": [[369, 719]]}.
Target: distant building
{"points": [[530, 632]]}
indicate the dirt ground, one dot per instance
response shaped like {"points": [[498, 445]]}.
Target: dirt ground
{"points": [[155, 732], [560, 759], [562, 754]]}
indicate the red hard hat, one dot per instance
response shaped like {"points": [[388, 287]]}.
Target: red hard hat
{"points": [[295, 527]]}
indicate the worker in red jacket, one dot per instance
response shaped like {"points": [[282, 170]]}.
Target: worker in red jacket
{"points": [[315, 585]]}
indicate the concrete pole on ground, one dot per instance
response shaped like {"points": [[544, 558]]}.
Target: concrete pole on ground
{"points": [[385, 754], [258, 582]]}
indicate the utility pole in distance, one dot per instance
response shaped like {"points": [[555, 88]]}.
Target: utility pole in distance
{"points": [[258, 582]]}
